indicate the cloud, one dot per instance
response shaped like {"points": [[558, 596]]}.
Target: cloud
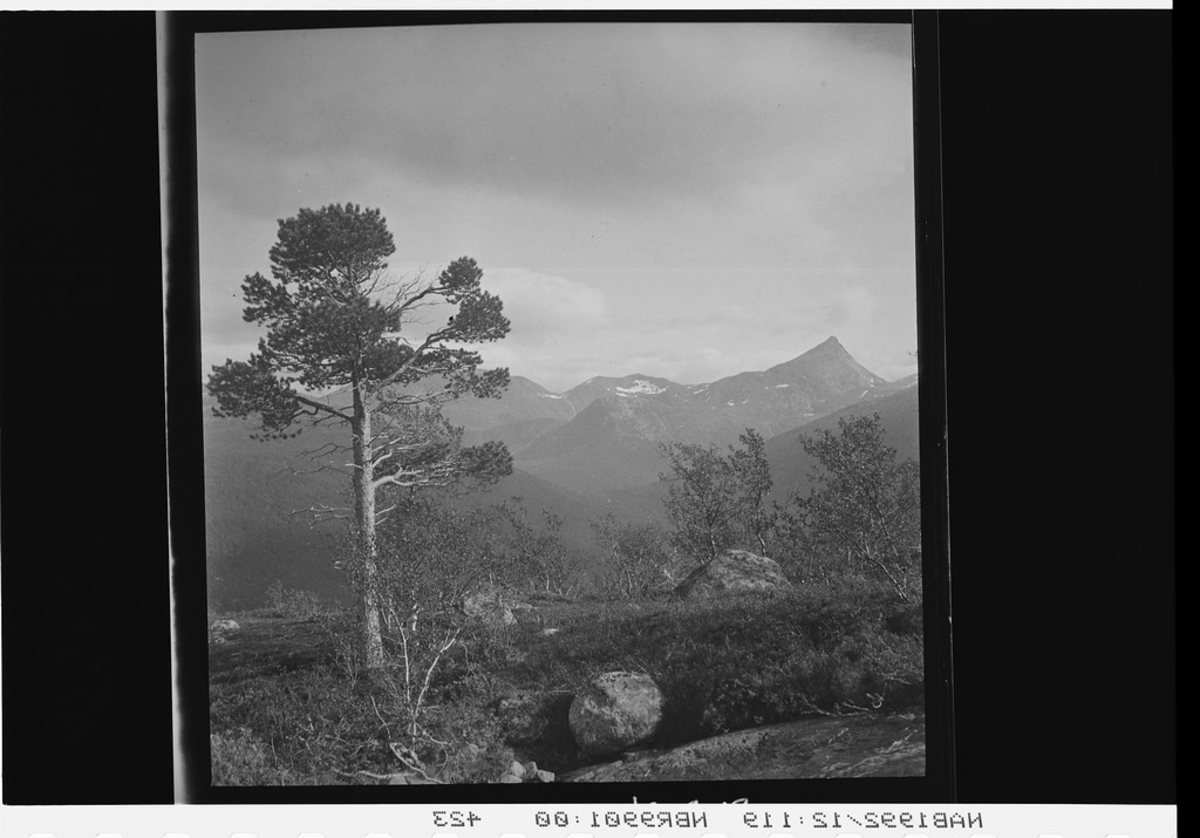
{"points": [[544, 307], [609, 114], [678, 200], [552, 318]]}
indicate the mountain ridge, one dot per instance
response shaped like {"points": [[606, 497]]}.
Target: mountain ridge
{"points": [[614, 441], [577, 461], [792, 392]]}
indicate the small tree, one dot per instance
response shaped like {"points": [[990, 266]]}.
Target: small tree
{"points": [[337, 321], [753, 472], [430, 555], [718, 500], [863, 506], [640, 555], [534, 557]]}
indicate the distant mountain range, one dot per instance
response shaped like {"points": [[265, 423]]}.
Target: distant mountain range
{"points": [[612, 442], [590, 450], [820, 381]]}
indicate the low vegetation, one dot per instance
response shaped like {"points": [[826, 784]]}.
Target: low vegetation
{"points": [[289, 704]]}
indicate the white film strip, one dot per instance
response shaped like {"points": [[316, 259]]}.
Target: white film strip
{"points": [[591, 821]]}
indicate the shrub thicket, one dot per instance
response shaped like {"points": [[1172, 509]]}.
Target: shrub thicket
{"points": [[295, 603], [862, 515], [640, 558]]}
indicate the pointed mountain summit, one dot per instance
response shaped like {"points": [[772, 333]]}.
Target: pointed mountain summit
{"points": [[824, 379], [830, 363], [613, 441]]}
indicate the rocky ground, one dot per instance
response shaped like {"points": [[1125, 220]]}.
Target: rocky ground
{"points": [[866, 745]]}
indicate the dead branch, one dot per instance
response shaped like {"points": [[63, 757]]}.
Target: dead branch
{"points": [[292, 470], [410, 760], [320, 513]]}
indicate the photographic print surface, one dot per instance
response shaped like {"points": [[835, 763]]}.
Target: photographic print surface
{"points": [[560, 403]]}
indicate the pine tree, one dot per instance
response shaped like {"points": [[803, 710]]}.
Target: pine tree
{"points": [[337, 321]]}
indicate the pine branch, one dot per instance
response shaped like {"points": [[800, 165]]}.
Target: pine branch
{"points": [[321, 406]]}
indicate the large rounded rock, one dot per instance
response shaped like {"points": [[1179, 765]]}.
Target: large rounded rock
{"points": [[616, 711], [489, 608], [734, 572]]}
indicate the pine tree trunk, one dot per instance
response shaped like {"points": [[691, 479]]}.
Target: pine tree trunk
{"points": [[364, 513]]}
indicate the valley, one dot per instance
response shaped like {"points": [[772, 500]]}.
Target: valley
{"points": [[581, 454]]}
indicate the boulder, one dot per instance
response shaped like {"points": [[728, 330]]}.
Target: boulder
{"points": [[488, 608], [616, 711], [734, 572]]}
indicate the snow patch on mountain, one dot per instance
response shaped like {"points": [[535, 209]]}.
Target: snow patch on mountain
{"points": [[640, 387]]}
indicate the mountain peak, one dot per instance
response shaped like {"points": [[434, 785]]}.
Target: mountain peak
{"points": [[830, 344], [829, 350]]}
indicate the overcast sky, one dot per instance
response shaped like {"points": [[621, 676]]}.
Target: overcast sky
{"points": [[681, 200]]}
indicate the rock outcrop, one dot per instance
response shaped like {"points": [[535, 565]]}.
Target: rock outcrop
{"points": [[527, 772], [490, 608], [494, 607], [733, 572], [219, 631], [862, 745], [616, 711]]}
